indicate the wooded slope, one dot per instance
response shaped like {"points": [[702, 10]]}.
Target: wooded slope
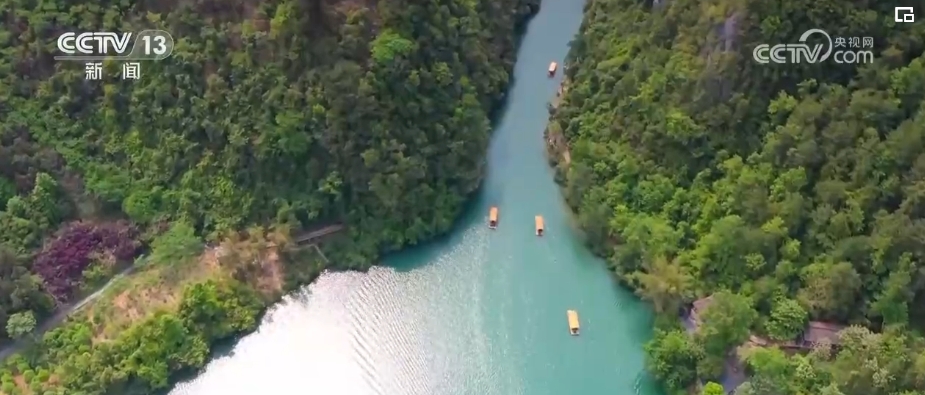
{"points": [[797, 188]]}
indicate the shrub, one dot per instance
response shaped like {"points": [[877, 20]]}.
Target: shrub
{"points": [[62, 261]]}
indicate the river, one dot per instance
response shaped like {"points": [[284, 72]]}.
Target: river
{"points": [[481, 312]]}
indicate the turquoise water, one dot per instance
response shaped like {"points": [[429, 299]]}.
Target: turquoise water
{"points": [[481, 312]]}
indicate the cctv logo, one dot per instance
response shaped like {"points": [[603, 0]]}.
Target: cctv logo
{"points": [[93, 43], [903, 14]]}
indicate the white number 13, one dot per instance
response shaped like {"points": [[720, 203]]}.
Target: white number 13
{"points": [[160, 45]]}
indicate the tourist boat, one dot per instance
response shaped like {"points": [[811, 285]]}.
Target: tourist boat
{"points": [[572, 322], [493, 218], [539, 225], [552, 68]]}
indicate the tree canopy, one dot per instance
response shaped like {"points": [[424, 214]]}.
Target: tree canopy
{"points": [[20, 324]]}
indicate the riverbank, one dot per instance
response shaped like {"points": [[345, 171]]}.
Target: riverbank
{"points": [[557, 147], [556, 143]]}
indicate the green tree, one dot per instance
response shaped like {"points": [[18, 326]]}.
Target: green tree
{"points": [[787, 320], [219, 310], [672, 358], [711, 388], [665, 284], [831, 290], [20, 290], [871, 363], [726, 323], [771, 370], [155, 348], [892, 303], [176, 245], [20, 324]]}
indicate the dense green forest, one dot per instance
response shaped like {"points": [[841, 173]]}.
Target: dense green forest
{"points": [[305, 113], [791, 192]]}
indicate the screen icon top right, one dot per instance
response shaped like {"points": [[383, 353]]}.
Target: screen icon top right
{"points": [[903, 14]]}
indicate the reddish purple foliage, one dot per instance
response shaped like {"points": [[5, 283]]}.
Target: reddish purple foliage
{"points": [[62, 262]]}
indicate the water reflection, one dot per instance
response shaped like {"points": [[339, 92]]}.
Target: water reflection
{"points": [[385, 332]]}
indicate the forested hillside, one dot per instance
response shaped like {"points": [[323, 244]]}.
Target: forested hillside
{"points": [[304, 113], [796, 191]]}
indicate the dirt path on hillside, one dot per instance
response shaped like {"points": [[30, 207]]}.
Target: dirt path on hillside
{"points": [[56, 319]]}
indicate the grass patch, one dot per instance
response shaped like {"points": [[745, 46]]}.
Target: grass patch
{"points": [[158, 284], [153, 287]]}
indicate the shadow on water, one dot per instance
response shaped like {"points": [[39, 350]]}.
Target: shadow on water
{"points": [[501, 107], [425, 253], [520, 30]]}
